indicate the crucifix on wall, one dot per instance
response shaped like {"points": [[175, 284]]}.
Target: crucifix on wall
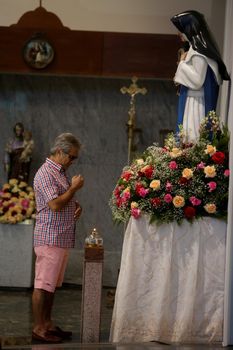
{"points": [[132, 91]]}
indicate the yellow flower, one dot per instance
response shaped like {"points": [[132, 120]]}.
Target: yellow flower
{"points": [[19, 217], [210, 150], [22, 184], [5, 203], [210, 208], [178, 201], [32, 204], [23, 194], [16, 209], [31, 195], [187, 173], [139, 161], [14, 200], [2, 219], [6, 195], [13, 182], [175, 152], [134, 205], [155, 184], [6, 187], [127, 189], [15, 189], [210, 171], [29, 212], [11, 220]]}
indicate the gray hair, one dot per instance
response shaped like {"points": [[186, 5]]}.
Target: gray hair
{"points": [[64, 142]]}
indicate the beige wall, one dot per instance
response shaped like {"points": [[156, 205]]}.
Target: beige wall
{"points": [[146, 16]]}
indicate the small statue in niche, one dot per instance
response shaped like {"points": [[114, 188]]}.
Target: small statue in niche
{"points": [[26, 155], [18, 154]]}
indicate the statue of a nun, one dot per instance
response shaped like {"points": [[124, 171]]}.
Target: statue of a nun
{"points": [[200, 72]]}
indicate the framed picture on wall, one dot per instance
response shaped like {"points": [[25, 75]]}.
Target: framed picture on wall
{"points": [[38, 53]]}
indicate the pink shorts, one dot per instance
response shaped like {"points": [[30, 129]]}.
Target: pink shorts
{"points": [[50, 267]]}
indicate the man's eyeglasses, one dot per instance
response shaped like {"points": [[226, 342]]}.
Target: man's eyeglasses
{"points": [[71, 157]]}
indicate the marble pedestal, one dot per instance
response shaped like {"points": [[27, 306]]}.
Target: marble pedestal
{"points": [[17, 257], [91, 295]]}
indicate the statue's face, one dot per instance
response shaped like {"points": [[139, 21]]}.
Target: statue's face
{"points": [[18, 131], [182, 37]]}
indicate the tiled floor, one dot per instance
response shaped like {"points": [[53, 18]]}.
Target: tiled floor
{"points": [[16, 323], [16, 314]]}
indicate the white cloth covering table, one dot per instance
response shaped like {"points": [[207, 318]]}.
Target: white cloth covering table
{"points": [[171, 283]]}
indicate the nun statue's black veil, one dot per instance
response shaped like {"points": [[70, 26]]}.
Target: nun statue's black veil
{"points": [[193, 25]]}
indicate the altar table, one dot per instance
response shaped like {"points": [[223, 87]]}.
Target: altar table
{"points": [[171, 283], [17, 255]]}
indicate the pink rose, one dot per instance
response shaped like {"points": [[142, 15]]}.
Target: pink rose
{"points": [[25, 203], [212, 186], [195, 201], [168, 198], [140, 190], [173, 165], [135, 212], [168, 186], [201, 165], [143, 192], [227, 172]]}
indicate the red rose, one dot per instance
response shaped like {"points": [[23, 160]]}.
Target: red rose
{"points": [[4, 209], [218, 157], [11, 205], [149, 171], [126, 175], [118, 190], [183, 180], [189, 212], [118, 202], [138, 188], [23, 211], [146, 171], [156, 202]]}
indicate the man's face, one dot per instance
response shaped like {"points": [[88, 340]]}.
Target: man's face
{"points": [[66, 159]]}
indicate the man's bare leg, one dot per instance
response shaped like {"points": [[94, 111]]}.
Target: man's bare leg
{"points": [[42, 302]]}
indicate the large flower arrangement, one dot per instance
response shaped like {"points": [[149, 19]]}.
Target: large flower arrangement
{"points": [[17, 202], [179, 181]]}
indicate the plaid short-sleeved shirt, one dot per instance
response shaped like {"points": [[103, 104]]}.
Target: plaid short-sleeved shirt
{"points": [[53, 228]]}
